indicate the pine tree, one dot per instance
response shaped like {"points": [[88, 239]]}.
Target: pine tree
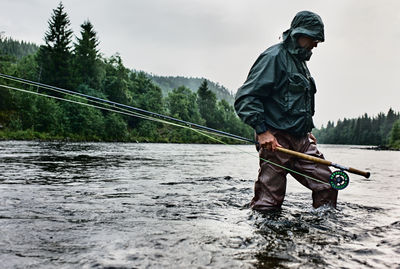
{"points": [[86, 57], [207, 102], [391, 117], [394, 137], [54, 58]]}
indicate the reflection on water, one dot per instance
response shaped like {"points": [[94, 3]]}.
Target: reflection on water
{"points": [[114, 205]]}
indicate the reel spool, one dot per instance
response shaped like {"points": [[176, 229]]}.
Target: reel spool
{"points": [[339, 180]]}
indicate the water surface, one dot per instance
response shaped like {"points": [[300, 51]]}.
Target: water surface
{"points": [[119, 205]]}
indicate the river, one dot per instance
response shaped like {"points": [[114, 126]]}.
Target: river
{"points": [[127, 205]]}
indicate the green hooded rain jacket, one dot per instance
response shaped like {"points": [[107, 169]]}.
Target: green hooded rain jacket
{"points": [[279, 90]]}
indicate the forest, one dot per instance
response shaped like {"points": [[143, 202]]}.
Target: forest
{"points": [[382, 130], [78, 65], [167, 84]]}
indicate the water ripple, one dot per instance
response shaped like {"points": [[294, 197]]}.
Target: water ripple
{"points": [[112, 205]]}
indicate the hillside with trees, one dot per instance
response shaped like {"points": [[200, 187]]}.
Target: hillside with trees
{"points": [[382, 130], [77, 65], [167, 84], [16, 49]]}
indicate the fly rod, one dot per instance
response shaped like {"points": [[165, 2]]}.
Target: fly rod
{"points": [[323, 161], [338, 179]]}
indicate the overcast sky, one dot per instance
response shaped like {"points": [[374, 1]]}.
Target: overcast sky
{"points": [[356, 69]]}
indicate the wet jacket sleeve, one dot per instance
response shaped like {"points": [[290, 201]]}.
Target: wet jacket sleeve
{"points": [[262, 79]]}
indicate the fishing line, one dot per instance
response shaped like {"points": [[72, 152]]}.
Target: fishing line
{"points": [[120, 110], [38, 84], [127, 112], [78, 95]]}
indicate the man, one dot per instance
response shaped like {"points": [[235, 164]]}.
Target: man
{"points": [[277, 100]]}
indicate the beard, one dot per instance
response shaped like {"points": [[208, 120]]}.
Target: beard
{"points": [[304, 54]]}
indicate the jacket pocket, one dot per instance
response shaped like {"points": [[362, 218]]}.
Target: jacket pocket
{"points": [[296, 95]]}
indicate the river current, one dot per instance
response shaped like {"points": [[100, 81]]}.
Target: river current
{"points": [[127, 205]]}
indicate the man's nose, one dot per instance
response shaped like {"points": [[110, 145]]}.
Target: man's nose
{"points": [[315, 43]]}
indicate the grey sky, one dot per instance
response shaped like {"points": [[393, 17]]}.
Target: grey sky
{"points": [[356, 69]]}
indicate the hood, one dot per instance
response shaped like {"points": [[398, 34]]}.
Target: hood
{"points": [[306, 23]]}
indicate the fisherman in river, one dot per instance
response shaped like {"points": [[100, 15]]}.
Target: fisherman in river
{"points": [[277, 100]]}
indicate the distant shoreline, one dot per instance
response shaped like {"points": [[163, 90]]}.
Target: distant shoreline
{"points": [[42, 137], [29, 135], [382, 148]]}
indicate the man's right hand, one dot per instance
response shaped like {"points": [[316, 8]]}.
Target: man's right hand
{"points": [[268, 141]]}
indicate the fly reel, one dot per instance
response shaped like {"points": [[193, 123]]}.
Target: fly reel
{"points": [[339, 180]]}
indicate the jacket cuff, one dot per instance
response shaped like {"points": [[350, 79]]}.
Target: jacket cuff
{"points": [[261, 128]]}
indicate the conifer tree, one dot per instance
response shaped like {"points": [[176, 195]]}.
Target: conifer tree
{"points": [[394, 137], [207, 102], [391, 117], [86, 57], [54, 57]]}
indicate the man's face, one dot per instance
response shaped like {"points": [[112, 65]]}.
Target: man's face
{"points": [[307, 42]]}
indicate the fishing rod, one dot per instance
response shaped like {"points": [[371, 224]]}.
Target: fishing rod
{"points": [[323, 161], [338, 179]]}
